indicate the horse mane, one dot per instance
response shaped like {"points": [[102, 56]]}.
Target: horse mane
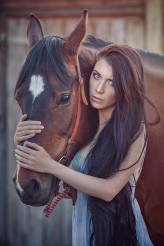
{"points": [[94, 43], [151, 55], [47, 51], [153, 62]]}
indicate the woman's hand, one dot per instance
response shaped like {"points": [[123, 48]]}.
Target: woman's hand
{"points": [[36, 159], [26, 129]]}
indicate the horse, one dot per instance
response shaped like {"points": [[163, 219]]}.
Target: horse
{"points": [[53, 88]]}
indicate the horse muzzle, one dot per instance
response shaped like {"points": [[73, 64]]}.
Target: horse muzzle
{"points": [[33, 188]]}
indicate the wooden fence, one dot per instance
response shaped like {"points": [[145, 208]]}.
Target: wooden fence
{"points": [[25, 225]]}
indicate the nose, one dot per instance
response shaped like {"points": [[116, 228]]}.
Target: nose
{"points": [[100, 87]]}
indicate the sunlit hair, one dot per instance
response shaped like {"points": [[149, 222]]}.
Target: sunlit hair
{"points": [[114, 221]]}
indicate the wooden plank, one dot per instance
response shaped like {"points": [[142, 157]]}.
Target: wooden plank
{"points": [[153, 22], [122, 30], [118, 31], [53, 26], [52, 228], [100, 27], [2, 72], [70, 4], [135, 32], [73, 8], [66, 223], [3, 164], [65, 13]]}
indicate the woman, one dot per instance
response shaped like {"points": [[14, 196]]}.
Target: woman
{"points": [[105, 171]]}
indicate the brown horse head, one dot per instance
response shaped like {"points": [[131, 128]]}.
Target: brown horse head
{"points": [[48, 91]]}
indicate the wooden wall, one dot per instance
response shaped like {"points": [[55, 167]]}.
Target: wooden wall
{"points": [[137, 23]]}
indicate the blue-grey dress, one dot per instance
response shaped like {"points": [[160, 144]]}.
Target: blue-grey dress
{"points": [[81, 227]]}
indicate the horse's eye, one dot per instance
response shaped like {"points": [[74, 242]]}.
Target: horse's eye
{"points": [[64, 98]]}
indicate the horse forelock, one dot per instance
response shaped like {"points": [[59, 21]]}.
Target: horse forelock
{"points": [[47, 51]]}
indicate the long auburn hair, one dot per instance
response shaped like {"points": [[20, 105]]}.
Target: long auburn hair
{"points": [[114, 222]]}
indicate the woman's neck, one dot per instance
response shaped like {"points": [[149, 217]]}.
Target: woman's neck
{"points": [[104, 117]]}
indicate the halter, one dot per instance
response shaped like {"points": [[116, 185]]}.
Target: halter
{"points": [[68, 192]]}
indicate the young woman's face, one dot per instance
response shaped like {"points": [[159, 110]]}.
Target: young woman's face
{"points": [[102, 92]]}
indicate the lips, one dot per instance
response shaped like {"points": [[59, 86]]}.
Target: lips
{"points": [[97, 99]]}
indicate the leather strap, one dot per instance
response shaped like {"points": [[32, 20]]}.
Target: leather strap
{"points": [[71, 140]]}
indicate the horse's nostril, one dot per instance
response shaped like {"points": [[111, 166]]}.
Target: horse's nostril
{"points": [[36, 187], [32, 189]]}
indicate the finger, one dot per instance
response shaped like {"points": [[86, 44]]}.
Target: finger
{"points": [[20, 139], [29, 129], [24, 155], [23, 160], [23, 117], [34, 146], [27, 132], [26, 150], [29, 123], [24, 165], [23, 138]]}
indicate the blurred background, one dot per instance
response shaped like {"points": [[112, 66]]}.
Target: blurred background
{"points": [[139, 23]]}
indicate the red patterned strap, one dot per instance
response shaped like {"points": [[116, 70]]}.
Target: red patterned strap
{"points": [[56, 199]]}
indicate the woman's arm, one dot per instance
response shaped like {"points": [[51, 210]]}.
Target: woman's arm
{"points": [[39, 160]]}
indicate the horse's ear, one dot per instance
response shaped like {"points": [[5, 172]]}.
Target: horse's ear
{"points": [[74, 40], [34, 31]]}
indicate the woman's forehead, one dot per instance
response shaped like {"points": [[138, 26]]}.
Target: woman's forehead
{"points": [[104, 68]]}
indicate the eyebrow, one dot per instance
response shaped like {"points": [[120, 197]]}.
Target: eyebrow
{"points": [[94, 70]]}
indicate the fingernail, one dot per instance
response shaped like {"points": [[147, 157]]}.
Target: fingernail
{"points": [[42, 127]]}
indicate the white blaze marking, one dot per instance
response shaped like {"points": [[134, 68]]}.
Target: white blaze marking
{"points": [[36, 85], [17, 175], [17, 182]]}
